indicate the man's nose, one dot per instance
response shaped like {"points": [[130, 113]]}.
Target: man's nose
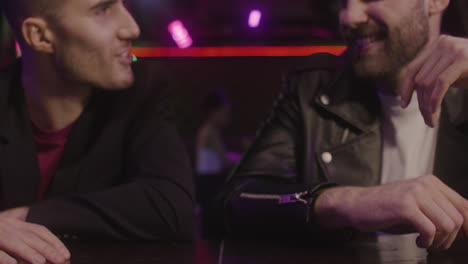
{"points": [[353, 13], [130, 29]]}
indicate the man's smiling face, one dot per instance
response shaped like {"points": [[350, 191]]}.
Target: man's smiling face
{"points": [[92, 42], [383, 35]]}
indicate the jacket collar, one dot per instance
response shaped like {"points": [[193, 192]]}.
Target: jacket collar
{"points": [[352, 100], [356, 102]]}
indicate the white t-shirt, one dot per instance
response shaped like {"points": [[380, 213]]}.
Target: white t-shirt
{"points": [[408, 143]]}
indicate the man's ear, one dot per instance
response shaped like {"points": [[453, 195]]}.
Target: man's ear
{"points": [[438, 6], [37, 34]]}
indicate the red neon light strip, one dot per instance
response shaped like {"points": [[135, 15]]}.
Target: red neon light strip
{"points": [[235, 51]]}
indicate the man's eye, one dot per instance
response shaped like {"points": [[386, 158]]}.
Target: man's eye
{"points": [[103, 10]]}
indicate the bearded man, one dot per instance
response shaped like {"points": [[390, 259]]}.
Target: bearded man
{"points": [[374, 140], [87, 148]]}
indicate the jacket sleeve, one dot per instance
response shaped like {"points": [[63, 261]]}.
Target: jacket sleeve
{"points": [[155, 202], [266, 193]]}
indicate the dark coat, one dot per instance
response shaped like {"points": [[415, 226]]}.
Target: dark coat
{"points": [[124, 173]]}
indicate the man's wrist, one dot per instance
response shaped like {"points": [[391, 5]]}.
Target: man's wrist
{"points": [[330, 208], [314, 194]]}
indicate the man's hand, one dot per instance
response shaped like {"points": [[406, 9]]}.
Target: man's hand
{"points": [[440, 65], [30, 242], [424, 205]]}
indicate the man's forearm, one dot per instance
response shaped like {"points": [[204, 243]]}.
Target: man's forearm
{"points": [[146, 210]]}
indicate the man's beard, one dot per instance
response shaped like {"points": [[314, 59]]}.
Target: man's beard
{"points": [[401, 44]]}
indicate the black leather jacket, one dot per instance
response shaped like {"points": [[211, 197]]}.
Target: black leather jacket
{"points": [[325, 128]]}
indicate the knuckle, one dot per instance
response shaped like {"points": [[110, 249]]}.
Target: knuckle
{"points": [[464, 53], [458, 48], [465, 214], [45, 248], [410, 70], [442, 80], [42, 229], [420, 83], [417, 187], [406, 200], [459, 220], [448, 43], [447, 227], [38, 227], [429, 180]]}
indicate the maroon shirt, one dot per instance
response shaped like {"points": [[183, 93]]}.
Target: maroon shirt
{"points": [[49, 146]]}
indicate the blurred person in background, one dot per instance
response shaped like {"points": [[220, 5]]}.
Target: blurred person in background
{"points": [[211, 154], [212, 159]]}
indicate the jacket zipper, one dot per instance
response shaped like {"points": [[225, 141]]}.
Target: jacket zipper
{"points": [[281, 198], [345, 135]]}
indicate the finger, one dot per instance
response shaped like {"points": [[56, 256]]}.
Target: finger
{"points": [[422, 107], [450, 240], [424, 226], [443, 223], [430, 119], [423, 78], [407, 91], [18, 248], [410, 72], [47, 250], [428, 78], [49, 237], [445, 80], [6, 259], [450, 209], [460, 203]]}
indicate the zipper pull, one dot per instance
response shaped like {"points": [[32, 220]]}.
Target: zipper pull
{"points": [[292, 198]]}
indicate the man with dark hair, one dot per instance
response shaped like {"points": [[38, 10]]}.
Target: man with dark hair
{"points": [[339, 152], [17, 11], [87, 147]]}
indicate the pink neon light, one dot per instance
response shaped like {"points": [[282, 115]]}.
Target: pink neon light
{"points": [[254, 18], [18, 49], [180, 34]]}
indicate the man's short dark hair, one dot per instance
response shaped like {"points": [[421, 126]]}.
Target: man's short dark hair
{"points": [[17, 11]]}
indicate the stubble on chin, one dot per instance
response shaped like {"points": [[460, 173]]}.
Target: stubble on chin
{"points": [[402, 44]]}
